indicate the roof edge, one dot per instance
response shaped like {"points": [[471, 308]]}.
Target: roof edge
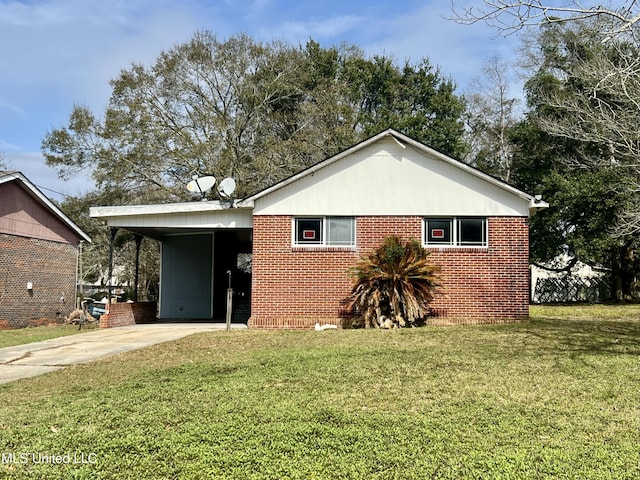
{"points": [[461, 165], [19, 176], [401, 139], [164, 208], [318, 166]]}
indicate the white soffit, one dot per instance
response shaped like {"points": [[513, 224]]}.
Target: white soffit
{"points": [[176, 215]]}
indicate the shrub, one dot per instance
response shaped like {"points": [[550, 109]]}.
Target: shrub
{"points": [[394, 284]]}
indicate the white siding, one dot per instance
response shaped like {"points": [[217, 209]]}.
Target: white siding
{"points": [[386, 179], [179, 218]]}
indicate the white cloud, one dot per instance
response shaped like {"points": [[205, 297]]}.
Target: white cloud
{"points": [[459, 50], [331, 27], [4, 146], [72, 48]]}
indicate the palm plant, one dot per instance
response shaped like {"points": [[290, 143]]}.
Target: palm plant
{"points": [[394, 284]]}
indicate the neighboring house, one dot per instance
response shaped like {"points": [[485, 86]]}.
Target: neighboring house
{"points": [[38, 255], [305, 232]]}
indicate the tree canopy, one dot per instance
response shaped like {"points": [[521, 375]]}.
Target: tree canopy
{"points": [[579, 143], [250, 110]]}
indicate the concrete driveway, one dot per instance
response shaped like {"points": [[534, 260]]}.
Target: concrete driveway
{"points": [[29, 360]]}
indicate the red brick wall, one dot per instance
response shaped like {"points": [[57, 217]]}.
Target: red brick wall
{"points": [[294, 287], [123, 314], [297, 287], [487, 284], [50, 267]]}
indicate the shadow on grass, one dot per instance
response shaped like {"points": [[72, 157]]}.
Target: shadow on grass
{"points": [[587, 336]]}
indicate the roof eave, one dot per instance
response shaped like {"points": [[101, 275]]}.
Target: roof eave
{"points": [[165, 208], [13, 176], [401, 139], [536, 204]]}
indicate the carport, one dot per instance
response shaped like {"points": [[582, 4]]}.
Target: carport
{"points": [[206, 249]]}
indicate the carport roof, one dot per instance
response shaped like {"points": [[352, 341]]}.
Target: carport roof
{"points": [[160, 220]]}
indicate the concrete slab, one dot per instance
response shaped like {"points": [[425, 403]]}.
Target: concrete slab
{"points": [[23, 361]]}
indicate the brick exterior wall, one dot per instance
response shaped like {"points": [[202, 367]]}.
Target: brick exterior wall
{"points": [[296, 287], [486, 285], [123, 314], [50, 267]]}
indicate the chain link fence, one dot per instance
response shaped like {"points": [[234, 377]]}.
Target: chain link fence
{"points": [[568, 289]]}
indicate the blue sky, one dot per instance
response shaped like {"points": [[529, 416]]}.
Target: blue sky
{"points": [[58, 53]]}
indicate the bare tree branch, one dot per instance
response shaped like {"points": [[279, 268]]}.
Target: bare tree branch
{"points": [[509, 17]]}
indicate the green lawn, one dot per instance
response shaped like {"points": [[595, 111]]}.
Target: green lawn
{"points": [[556, 397], [21, 336]]}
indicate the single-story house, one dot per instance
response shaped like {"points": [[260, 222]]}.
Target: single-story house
{"points": [[304, 233], [38, 255]]}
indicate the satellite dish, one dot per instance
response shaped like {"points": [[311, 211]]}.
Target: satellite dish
{"points": [[227, 187], [201, 185]]}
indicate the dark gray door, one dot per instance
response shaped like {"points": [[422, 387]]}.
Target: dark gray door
{"points": [[186, 279]]}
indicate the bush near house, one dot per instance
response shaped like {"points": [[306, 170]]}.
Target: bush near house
{"points": [[394, 284]]}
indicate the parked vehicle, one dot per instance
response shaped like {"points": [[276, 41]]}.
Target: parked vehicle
{"points": [[95, 309]]}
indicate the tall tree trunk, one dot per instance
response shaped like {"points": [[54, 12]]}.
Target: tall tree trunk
{"points": [[623, 273]]}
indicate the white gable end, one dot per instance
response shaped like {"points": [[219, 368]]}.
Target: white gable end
{"points": [[385, 178]]}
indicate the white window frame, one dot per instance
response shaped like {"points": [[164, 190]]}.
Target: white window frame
{"points": [[455, 227], [324, 242]]}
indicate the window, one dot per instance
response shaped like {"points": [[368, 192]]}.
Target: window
{"points": [[309, 231], [341, 231], [456, 231], [325, 231]]}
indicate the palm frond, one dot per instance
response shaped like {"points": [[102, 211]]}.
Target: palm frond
{"points": [[395, 281]]}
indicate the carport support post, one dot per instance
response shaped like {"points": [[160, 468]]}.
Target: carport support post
{"points": [[138, 238], [229, 302], [113, 231]]}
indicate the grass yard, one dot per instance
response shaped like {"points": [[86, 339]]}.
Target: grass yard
{"points": [[556, 397], [21, 336]]}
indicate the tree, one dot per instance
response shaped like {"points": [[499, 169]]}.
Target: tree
{"points": [[596, 107], [510, 16], [583, 99], [201, 108], [414, 99], [490, 117], [394, 284], [95, 256], [3, 164], [258, 112], [580, 139]]}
